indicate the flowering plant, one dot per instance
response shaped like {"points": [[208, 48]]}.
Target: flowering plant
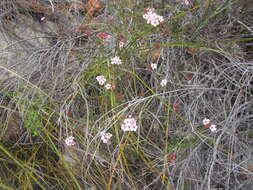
{"points": [[152, 18], [105, 137], [101, 79], [208, 124], [70, 141], [129, 124], [115, 60]]}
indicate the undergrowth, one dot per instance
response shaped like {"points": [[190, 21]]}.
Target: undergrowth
{"points": [[94, 96]]}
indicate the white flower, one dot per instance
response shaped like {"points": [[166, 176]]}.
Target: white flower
{"points": [[121, 44], [153, 66], [186, 2], [213, 128], [206, 121], [163, 83], [101, 79], [109, 86], [149, 10], [70, 141], [152, 18], [105, 137], [129, 124], [116, 60]]}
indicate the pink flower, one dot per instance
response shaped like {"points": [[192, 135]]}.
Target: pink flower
{"points": [[109, 86], [103, 35], [157, 46], [172, 158], [69, 113], [189, 76], [162, 26], [122, 36], [163, 82], [206, 121], [152, 18], [70, 141], [176, 107], [116, 60], [129, 124], [101, 79], [87, 32]]}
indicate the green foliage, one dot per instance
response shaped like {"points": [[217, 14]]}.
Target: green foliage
{"points": [[31, 110], [33, 122], [174, 143]]}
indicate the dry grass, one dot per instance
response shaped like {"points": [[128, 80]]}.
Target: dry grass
{"points": [[48, 92]]}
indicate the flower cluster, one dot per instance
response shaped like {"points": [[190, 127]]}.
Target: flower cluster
{"points": [[115, 60], [163, 82], [152, 18], [105, 137], [70, 141], [101, 79], [209, 125], [206, 121], [109, 86], [153, 66], [186, 2], [129, 124], [121, 44]]}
